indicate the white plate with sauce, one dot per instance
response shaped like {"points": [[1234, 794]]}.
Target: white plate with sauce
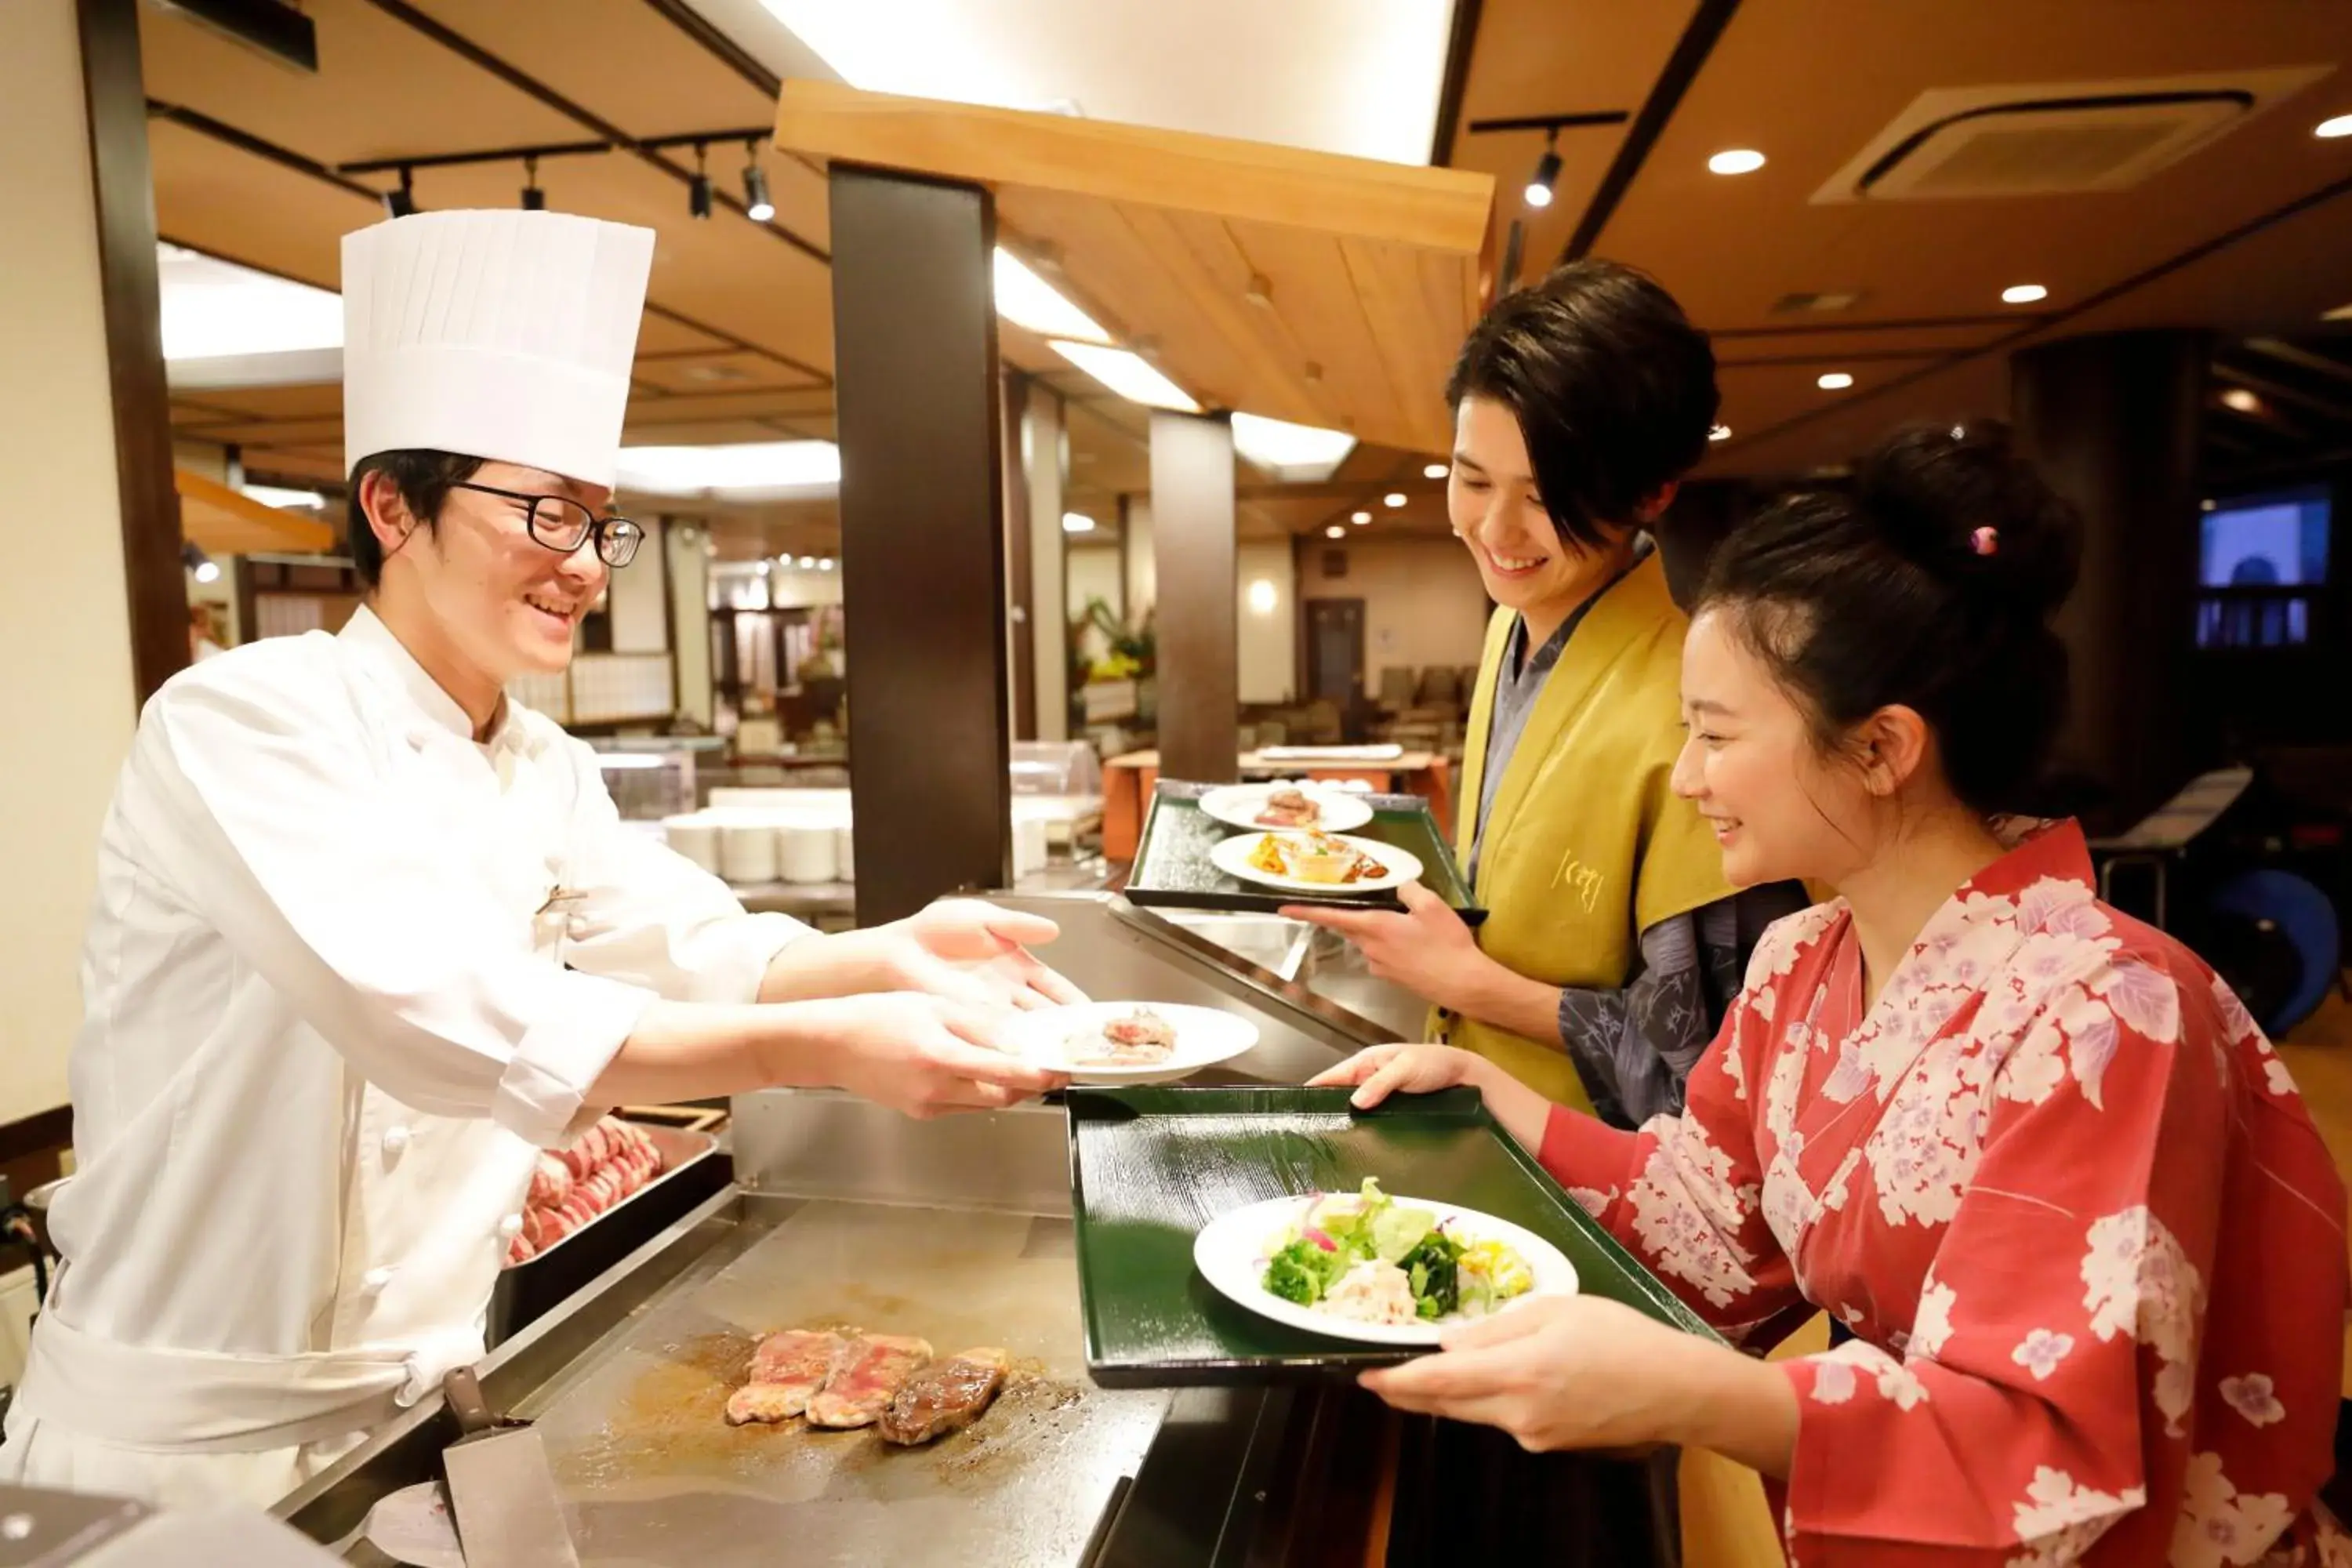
{"points": [[1232, 1250], [1238, 805], [1062, 1039], [1400, 866]]}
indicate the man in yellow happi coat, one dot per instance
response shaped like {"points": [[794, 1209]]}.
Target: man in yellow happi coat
{"points": [[1613, 943]]}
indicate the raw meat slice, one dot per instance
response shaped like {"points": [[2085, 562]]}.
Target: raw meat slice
{"points": [[867, 1378], [550, 1182], [946, 1395], [787, 1371]]}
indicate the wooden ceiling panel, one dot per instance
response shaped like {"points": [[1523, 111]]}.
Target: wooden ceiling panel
{"points": [[619, 57], [661, 334], [781, 403], [1830, 345], [730, 370], [382, 89], [1729, 246], [1323, 315], [1836, 432], [313, 401], [233, 204]]}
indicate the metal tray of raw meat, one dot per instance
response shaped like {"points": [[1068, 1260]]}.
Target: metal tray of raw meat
{"points": [[693, 1169]]}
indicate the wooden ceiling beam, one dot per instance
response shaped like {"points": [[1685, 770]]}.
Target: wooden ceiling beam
{"points": [[2280, 391], [2301, 358]]}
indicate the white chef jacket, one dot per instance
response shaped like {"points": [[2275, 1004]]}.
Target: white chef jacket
{"points": [[346, 970]]}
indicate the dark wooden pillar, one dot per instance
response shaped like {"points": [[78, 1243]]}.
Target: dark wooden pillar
{"points": [[125, 191], [2112, 421], [1020, 584], [922, 532], [1192, 558]]}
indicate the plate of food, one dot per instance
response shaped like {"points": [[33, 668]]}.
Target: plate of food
{"points": [[1296, 806], [1130, 1042], [1369, 1266], [1316, 862]]}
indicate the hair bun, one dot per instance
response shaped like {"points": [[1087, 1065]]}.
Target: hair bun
{"points": [[1934, 491]]}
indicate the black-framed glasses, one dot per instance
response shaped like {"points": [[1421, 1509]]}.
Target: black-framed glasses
{"points": [[563, 524]]}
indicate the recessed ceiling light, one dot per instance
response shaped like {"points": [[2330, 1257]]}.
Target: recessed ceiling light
{"points": [[1131, 375], [1393, 499], [2332, 129], [1027, 300], [1335, 531], [1736, 161], [2023, 294], [1434, 470], [825, 564], [1834, 381], [1290, 451], [1360, 517], [806, 564], [2205, 505], [1720, 433], [1076, 522], [2244, 401]]}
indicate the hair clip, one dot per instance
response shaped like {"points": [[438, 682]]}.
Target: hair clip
{"points": [[1984, 540]]}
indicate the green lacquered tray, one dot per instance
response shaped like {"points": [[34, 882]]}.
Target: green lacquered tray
{"points": [[1148, 1167], [1172, 866]]}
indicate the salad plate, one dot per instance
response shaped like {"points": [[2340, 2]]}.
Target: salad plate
{"points": [[1377, 1269]]}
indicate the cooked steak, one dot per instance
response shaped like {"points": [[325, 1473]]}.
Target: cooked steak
{"points": [[865, 1379], [1289, 808], [787, 1371], [945, 1396]]}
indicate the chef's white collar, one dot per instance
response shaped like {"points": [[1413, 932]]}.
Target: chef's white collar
{"points": [[391, 657]]}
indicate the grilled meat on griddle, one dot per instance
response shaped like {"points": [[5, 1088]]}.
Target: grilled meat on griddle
{"points": [[946, 1396], [868, 1375], [788, 1370]]}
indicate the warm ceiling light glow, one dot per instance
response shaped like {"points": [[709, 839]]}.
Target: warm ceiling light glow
{"points": [[2341, 313], [1736, 160], [1359, 516], [1538, 195], [746, 469], [825, 564], [2332, 129], [1393, 499], [1720, 433], [1262, 597], [216, 309], [1290, 451], [1028, 301], [1335, 531], [1076, 522], [2244, 401], [2023, 294], [1131, 375], [207, 571], [272, 495], [1434, 472], [1834, 381]]}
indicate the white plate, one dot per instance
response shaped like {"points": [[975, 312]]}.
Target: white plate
{"points": [[1237, 805], [1232, 1255], [1232, 857], [1204, 1037]]}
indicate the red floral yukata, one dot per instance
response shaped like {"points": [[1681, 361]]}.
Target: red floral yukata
{"points": [[2066, 1195]]}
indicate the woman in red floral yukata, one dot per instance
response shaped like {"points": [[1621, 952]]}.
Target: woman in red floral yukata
{"points": [[2033, 1154]]}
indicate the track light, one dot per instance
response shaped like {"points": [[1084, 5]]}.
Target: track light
{"points": [[534, 200], [697, 191], [204, 568], [1546, 171], [756, 205], [402, 202]]}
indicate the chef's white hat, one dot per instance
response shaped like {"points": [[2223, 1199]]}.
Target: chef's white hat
{"points": [[505, 335]]}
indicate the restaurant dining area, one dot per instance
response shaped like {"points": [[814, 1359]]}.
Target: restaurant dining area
{"points": [[1060, 784]]}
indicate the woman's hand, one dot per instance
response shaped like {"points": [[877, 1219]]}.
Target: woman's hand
{"points": [[924, 1056], [1383, 1070], [1427, 949], [1580, 1372]]}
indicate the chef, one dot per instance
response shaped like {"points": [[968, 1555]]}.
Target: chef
{"points": [[368, 935]]}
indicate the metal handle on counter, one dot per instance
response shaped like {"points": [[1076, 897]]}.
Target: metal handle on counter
{"points": [[462, 1392]]}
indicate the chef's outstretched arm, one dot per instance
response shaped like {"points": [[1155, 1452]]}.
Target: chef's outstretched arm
{"points": [[260, 799], [647, 915]]}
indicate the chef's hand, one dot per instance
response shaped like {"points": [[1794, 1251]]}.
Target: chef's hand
{"points": [[1380, 1071], [1580, 1372], [959, 949], [973, 951], [925, 1056], [1427, 949]]}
